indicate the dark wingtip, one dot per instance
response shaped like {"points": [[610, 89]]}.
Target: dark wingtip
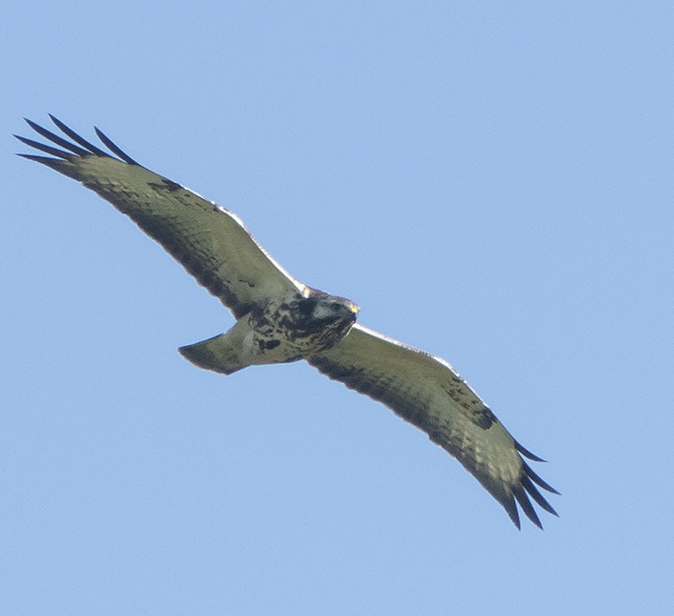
{"points": [[77, 138], [81, 147], [537, 496], [511, 509], [42, 147], [525, 492], [45, 160], [527, 507], [529, 472], [60, 141], [527, 454], [114, 147]]}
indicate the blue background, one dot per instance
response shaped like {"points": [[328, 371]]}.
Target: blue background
{"points": [[491, 182]]}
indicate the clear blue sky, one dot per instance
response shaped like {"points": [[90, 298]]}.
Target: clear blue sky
{"points": [[491, 182]]}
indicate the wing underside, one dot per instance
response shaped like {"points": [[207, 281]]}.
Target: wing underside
{"points": [[209, 241], [427, 392]]}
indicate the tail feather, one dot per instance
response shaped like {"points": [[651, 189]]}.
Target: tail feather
{"points": [[217, 354]]}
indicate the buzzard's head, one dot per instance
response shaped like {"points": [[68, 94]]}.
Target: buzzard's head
{"points": [[328, 317], [329, 308]]}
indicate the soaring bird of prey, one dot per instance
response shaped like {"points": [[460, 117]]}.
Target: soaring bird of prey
{"points": [[279, 319]]}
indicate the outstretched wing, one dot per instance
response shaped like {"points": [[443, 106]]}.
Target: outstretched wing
{"points": [[426, 391], [209, 241]]}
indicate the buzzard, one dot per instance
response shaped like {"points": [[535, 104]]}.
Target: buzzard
{"points": [[279, 319]]}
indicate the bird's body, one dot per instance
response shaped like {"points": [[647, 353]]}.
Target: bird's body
{"points": [[279, 319], [277, 331]]}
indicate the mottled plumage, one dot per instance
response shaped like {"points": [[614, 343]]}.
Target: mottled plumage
{"points": [[279, 319]]}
